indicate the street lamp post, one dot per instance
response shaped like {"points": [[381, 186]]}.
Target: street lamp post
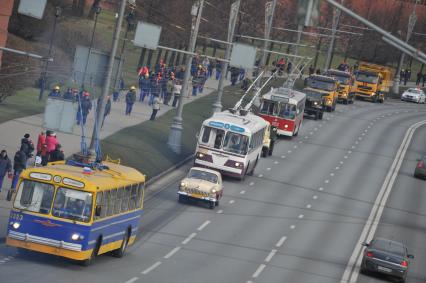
{"points": [[336, 20], [411, 23], [175, 135], [97, 12], [58, 12], [233, 16]]}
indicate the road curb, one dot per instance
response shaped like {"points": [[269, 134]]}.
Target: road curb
{"points": [[172, 168]]}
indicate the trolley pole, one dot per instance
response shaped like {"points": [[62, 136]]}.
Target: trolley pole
{"points": [[269, 17], [107, 83], [175, 135], [233, 16]]}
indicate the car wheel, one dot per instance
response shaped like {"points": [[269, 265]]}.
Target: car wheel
{"points": [[217, 202], [316, 117], [181, 199], [264, 152], [211, 204], [320, 116]]}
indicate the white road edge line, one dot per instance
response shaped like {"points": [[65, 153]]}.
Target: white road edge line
{"points": [[219, 211], [189, 238], [351, 272], [151, 268], [204, 225], [172, 252], [281, 242], [132, 280], [258, 270], [270, 255]]}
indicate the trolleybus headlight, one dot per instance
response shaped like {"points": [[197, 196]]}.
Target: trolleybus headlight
{"points": [[200, 155], [76, 237], [237, 164], [286, 126], [16, 225]]}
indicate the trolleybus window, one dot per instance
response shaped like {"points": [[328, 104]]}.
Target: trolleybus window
{"points": [[287, 111], [235, 143], [34, 196], [268, 107], [212, 137], [73, 204]]}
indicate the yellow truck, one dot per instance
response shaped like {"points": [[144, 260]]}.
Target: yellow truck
{"points": [[328, 85], [346, 89], [373, 82]]}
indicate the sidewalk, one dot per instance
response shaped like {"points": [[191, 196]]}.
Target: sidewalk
{"points": [[14, 130]]}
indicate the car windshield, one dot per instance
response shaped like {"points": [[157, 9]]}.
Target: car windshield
{"points": [[342, 79], [73, 204], [388, 246], [314, 94], [34, 196], [415, 91], [236, 143], [203, 175], [367, 78], [287, 111], [268, 107], [320, 84], [212, 137]]}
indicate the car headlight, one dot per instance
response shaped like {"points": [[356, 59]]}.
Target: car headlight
{"points": [[315, 103], [213, 191], [373, 93], [76, 237], [183, 184], [16, 225]]}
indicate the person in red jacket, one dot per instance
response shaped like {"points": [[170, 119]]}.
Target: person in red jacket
{"points": [[51, 142], [41, 141]]}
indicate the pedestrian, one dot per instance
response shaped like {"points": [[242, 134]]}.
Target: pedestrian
{"points": [[424, 80], [401, 75], [170, 87], [57, 154], [195, 85], [419, 77], [40, 142], [154, 88], [202, 78], [68, 94], [218, 70], [210, 70], [44, 155], [234, 75], [107, 109], [155, 108], [163, 85], [406, 76], [242, 74], [55, 92], [5, 167], [289, 67], [311, 70], [177, 89], [19, 165], [86, 106], [27, 146], [51, 141], [144, 86], [318, 72], [130, 100]]}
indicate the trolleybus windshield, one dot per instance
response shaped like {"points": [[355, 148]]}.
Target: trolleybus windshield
{"points": [[72, 204], [287, 111], [268, 107], [34, 196]]}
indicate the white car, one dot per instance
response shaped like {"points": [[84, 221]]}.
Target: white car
{"points": [[414, 95]]}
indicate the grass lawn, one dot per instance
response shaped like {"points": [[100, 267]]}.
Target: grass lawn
{"points": [[144, 146], [23, 103]]}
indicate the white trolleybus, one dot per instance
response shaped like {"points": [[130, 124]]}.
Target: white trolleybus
{"points": [[283, 108], [231, 143]]}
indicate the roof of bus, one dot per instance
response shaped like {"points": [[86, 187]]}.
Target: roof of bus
{"points": [[338, 72], [249, 123], [115, 176], [294, 96]]}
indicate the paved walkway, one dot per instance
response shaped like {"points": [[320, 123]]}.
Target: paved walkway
{"points": [[13, 131]]}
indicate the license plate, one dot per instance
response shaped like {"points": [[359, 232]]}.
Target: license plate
{"points": [[384, 269], [196, 196]]}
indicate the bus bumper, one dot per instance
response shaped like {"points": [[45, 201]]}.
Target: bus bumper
{"points": [[284, 133], [48, 249]]}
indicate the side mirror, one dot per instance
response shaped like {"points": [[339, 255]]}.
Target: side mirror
{"points": [[410, 256], [365, 244], [98, 210]]}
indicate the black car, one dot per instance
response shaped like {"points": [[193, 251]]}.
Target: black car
{"points": [[314, 104], [420, 171], [386, 257]]}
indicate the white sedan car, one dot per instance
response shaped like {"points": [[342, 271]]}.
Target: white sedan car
{"points": [[414, 95]]}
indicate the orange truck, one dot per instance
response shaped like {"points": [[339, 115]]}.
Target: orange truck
{"points": [[373, 82]]}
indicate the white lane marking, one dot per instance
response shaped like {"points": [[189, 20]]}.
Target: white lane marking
{"points": [[258, 270], [242, 192], [301, 216], [204, 225], [332, 174], [315, 197], [351, 272], [353, 147], [300, 142], [311, 133], [356, 142], [268, 169], [316, 129], [295, 147], [270, 255], [282, 156], [345, 157], [281, 242], [306, 137], [219, 211], [369, 127], [365, 130], [189, 238], [341, 162], [289, 151], [320, 189], [276, 162], [2, 261], [327, 181], [251, 184], [349, 151], [260, 175], [337, 168], [308, 206], [151, 268], [172, 252], [363, 134], [132, 280], [320, 125], [231, 201], [292, 226]]}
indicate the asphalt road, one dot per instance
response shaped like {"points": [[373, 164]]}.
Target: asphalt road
{"points": [[298, 219]]}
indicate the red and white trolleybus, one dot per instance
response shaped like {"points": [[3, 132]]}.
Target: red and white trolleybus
{"points": [[283, 108]]}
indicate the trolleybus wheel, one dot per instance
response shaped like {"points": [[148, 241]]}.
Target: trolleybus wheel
{"points": [[264, 151], [119, 253]]}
